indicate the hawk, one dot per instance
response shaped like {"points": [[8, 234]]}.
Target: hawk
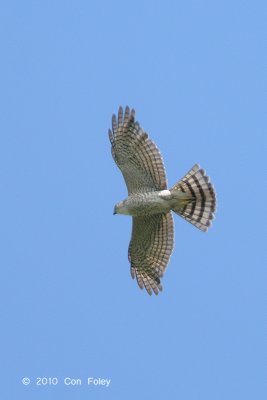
{"points": [[150, 203]]}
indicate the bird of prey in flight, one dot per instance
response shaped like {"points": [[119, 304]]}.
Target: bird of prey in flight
{"points": [[150, 202]]}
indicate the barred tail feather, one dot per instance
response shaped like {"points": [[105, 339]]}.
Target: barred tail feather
{"points": [[198, 203]]}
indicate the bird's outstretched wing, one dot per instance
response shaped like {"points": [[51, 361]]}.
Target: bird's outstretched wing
{"points": [[136, 155], [150, 249]]}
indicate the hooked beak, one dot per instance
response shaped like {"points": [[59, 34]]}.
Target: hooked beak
{"points": [[115, 210]]}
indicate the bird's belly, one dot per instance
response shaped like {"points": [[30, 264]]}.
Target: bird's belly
{"points": [[147, 204]]}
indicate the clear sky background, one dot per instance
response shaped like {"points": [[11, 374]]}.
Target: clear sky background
{"points": [[193, 70]]}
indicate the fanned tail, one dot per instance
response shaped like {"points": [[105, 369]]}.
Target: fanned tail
{"points": [[196, 199]]}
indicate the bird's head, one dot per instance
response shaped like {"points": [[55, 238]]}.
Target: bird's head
{"points": [[120, 208]]}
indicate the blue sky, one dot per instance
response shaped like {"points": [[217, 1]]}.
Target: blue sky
{"points": [[69, 308]]}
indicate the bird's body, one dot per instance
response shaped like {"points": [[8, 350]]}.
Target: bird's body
{"points": [[149, 201]]}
